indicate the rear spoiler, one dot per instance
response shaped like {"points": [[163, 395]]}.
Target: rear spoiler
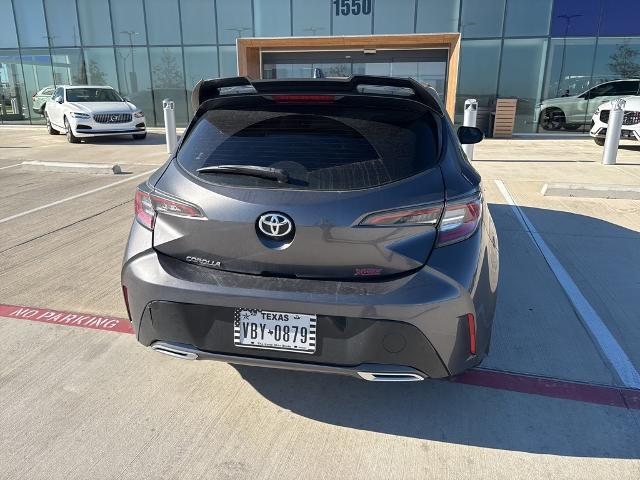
{"points": [[210, 89]]}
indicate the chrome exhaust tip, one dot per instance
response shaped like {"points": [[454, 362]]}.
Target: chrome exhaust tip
{"points": [[174, 351], [390, 377]]}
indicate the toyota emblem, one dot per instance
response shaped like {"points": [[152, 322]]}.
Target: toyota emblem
{"points": [[275, 225]]}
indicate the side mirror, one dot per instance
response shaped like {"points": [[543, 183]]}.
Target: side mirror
{"points": [[58, 99], [469, 135]]}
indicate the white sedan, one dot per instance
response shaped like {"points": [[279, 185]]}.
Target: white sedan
{"points": [[88, 111], [630, 122]]}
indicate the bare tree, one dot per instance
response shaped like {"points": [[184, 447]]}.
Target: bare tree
{"points": [[623, 61]]}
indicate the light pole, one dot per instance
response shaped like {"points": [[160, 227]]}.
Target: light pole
{"points": [[313, 30], [238, 30], [133, 80], [567, 19]]}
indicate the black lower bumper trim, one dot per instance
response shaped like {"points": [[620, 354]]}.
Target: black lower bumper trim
{"points": [[343, 344]]}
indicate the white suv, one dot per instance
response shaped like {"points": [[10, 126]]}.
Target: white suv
{"points": [[630, 123], [88, 111]]}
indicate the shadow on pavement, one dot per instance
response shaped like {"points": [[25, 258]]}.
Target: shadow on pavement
{"points": [[477, 416], [152, 138]]}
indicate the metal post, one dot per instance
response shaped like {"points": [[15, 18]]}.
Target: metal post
{"points": [[470, 116], [614, 129], [169, 108]]}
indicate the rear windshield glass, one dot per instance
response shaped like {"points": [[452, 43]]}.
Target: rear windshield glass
{"points": [[322, 147], [92, 95]]}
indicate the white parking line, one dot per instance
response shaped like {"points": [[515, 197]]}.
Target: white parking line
{"points": [[590, 318], [73, 197], [10, 166]]}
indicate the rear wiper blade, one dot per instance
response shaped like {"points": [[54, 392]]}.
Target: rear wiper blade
{"points": [[253, 170]]}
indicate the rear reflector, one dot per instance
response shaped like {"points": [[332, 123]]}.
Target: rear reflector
{"points": [[460, 220], [148, 205], [472, 333], [426, 215], [303, 98]]}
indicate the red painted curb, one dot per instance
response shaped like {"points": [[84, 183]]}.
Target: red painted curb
{"points": [[513, 382], [551, 387], [72, 319]]}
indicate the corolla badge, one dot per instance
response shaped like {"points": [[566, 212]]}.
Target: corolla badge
{"points": [[275, 225]]}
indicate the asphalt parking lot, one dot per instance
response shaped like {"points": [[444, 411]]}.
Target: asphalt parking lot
{"points": [[558, 396]]}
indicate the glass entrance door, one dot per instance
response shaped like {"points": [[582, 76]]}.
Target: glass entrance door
{"points": [[427, 66]]}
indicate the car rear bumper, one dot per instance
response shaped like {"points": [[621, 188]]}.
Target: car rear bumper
{"points": [[417, 322]]}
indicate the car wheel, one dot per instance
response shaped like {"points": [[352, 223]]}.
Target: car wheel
{"points": [[140, 136], [50, 129], [552, 119], [572, 126], [599, 141], [71, 138]]}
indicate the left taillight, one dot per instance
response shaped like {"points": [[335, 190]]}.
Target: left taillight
{"points": [[424, 215], [148, 204], [460, 220]]}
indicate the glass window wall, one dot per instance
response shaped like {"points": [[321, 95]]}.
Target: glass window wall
{"points": [[128, 22], [234, 20], [527, 18], [8, 35], [352, 17], [162, 22], [198, 22], [575, 18], [62, 22], [436, 16], [95, 22], [482, 18], [273, 18], [311, 18], [521, 76], [134, 80], [394, 16], [32, 31], [167, 79]]}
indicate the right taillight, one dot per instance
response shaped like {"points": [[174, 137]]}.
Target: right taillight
{"points": [[148, 204], [459, 220]]}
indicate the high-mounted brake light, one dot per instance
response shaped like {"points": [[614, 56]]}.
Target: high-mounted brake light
{"points": [[460, 220], [424, 215], [148, 205], [304, 98]]}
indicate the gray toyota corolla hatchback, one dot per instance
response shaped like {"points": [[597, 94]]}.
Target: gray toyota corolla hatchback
{"points": [[329, 225]]}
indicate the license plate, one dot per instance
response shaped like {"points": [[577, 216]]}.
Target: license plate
{"points": [[292, 332]]}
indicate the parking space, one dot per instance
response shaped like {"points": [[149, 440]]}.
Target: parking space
{"points": [[65, 388]]}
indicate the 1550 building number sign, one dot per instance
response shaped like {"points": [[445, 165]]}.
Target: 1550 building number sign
{"points": [[352, 7]]}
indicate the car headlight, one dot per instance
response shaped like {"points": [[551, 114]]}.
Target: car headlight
{"points": [[79, 115], [597, 111], [139, 114]]}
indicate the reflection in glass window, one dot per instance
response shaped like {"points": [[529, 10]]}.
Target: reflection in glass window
{"points": [[128, 22], [134, 81], [234, 20], [95, 22], [167, 78], [199, 63], [273, 18], [228, 62], [527, 18], [198, 21], [68, 67], [482, 18], [436, 16], [616, 58], [479, 62], [32, 31], [521, 75], [15, 104], [311, 18], [575, 18], [162, 22], [100, 65], [569, 67], [394, 16], [617, 18], [351, 18], [8, 37], [62, 22]]}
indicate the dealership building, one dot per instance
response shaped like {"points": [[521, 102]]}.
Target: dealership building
{"points": [[529, 50]]}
